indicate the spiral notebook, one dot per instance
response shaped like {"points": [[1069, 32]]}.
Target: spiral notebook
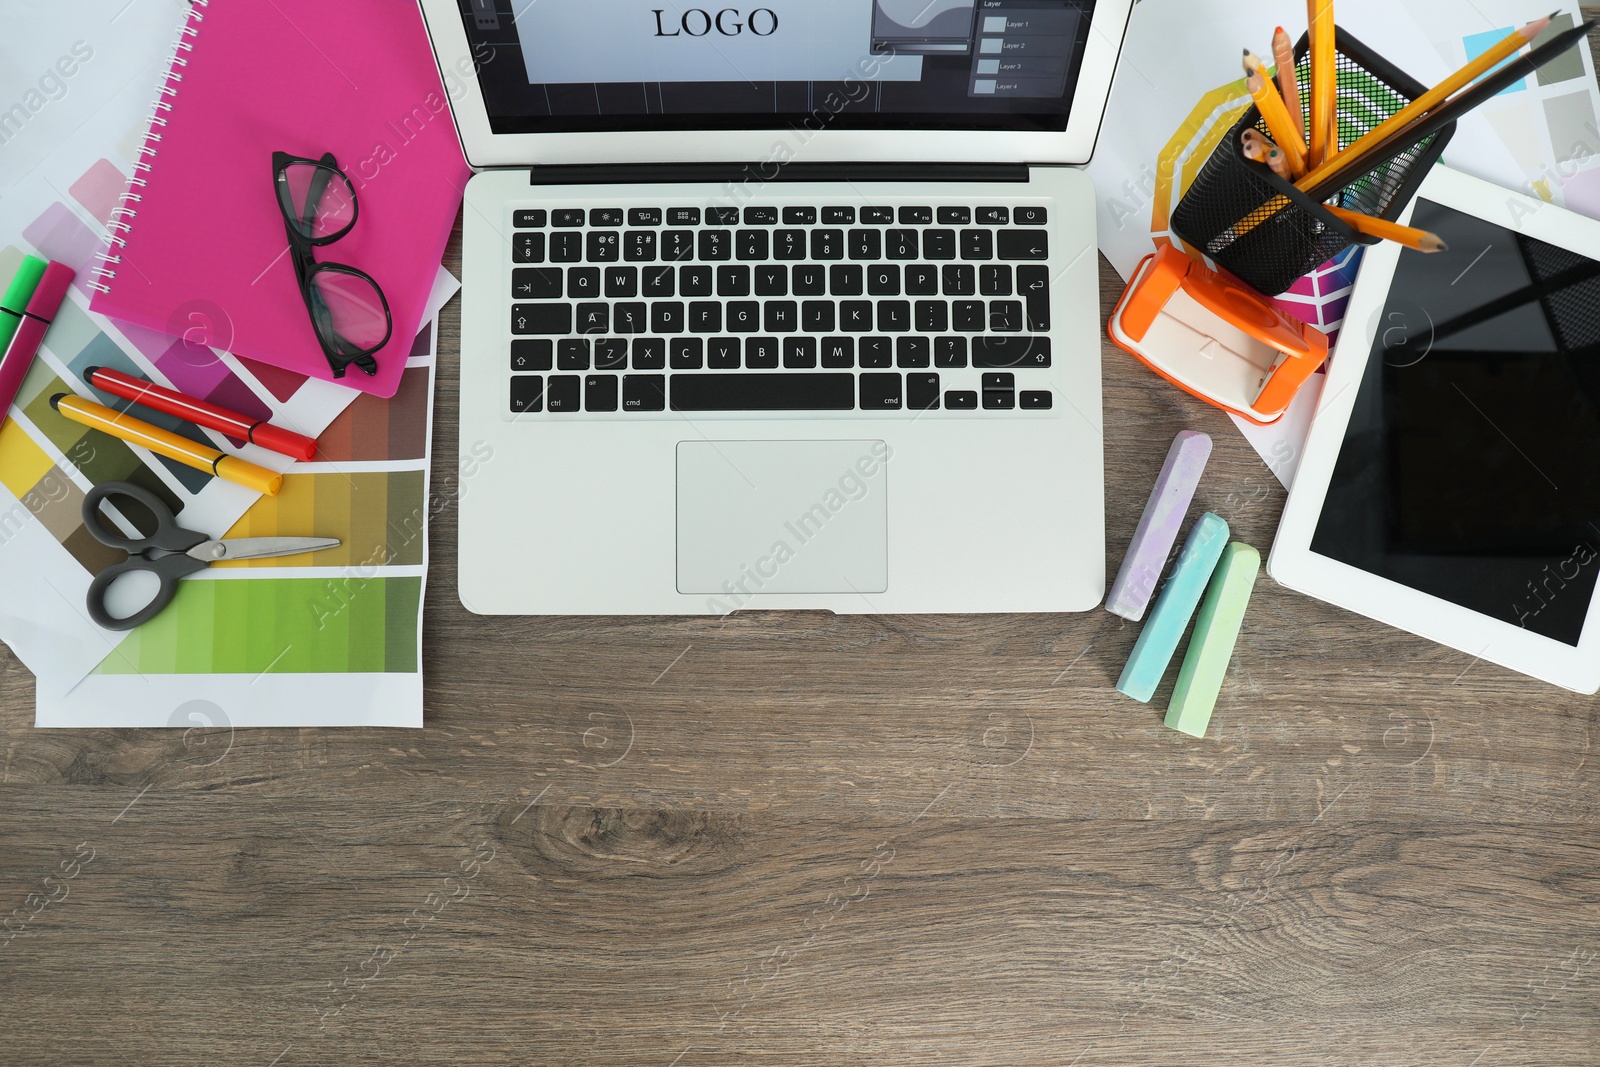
{"points": [[198, 246]]}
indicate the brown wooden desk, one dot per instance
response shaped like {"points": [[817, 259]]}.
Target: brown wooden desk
{"points": [[815, 840]]}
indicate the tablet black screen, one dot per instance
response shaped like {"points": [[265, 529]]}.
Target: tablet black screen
{"points": [[1471, 466]]}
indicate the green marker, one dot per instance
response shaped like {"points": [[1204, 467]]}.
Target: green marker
{"points": [[1215, 632], [17, 295]]}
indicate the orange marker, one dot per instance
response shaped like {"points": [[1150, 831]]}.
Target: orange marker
{"points": [[164, 443]]}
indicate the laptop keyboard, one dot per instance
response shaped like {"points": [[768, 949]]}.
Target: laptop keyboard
{"points": [[797, 308]]}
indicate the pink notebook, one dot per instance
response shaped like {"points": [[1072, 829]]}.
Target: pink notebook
{"points": [[199, 248]]}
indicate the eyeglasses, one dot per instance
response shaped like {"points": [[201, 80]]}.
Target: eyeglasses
{"points": [[348, 310]]}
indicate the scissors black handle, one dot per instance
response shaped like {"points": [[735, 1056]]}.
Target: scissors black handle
{"points": [[162, 553]]}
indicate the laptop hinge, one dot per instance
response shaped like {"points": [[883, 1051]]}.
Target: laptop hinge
{"points": [[760, 173]]}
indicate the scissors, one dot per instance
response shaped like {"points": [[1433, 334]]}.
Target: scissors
{"points": [[170, 553]]}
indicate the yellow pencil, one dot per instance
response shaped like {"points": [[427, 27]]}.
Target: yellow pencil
{"points": [[1288, 80], [1324, 84], [1372, 226], [1278, 121], [1261, 150]]}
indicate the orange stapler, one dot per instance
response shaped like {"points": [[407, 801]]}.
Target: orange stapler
{"points": [[1214, 337]]}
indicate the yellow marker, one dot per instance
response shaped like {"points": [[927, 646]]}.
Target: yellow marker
{"points": [[164, 443]]}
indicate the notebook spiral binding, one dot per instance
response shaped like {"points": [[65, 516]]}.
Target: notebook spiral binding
{"points": [[120, 222]]}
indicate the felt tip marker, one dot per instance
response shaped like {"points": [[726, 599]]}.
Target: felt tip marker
{"points": [[18, 292], [202, 413], [36, 319]]}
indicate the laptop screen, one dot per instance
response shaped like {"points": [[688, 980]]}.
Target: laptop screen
{"points": [[565, 66]]}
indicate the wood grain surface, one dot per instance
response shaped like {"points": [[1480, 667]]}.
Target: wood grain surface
{"points": [[796, 838]]}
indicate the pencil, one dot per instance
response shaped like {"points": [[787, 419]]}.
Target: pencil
{"points": [[1288, 80], [1372, 226], [1261, 150], [1415, 111], [1278, 121], [1324, 83]]}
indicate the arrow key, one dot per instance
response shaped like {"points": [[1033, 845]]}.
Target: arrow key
{"points": [[1024, 244]]}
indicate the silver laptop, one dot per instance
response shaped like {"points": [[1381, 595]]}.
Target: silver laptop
{"points": [[787, 306]]}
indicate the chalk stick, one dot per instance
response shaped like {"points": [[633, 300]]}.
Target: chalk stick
{"points": [[1205, 665], [1159, 525], [1153, 652]]}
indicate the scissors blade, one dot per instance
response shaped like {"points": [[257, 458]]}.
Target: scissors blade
{"points": [[260, 547]]}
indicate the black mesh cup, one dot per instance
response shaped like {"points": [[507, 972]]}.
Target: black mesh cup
{"points": [[1235, 211]]}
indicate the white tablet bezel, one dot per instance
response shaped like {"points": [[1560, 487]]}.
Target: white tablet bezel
{"points": [[483, 148], [1293, 564]]}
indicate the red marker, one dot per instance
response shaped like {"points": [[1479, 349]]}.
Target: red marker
{"points": [[202, 413], [36, 319]]}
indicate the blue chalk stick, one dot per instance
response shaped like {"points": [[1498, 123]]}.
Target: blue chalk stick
{"points": [[1158, 642]]}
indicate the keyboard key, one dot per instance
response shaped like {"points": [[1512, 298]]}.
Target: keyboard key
{"points": [[716, 245], [532, 355], [838, 216], [722, 353], [722, 216], [630, 317], [866, 244], [561, 392], [536, 283], [733, 280], [939, 244], [688, 353], [995, 280], [838, 352], [568, 216], [950, 352], [542, 318], [880, 392], [782, 316], [959, 280], [639, 246], [705, 316], [694, 281], [583, 283], [977, 244], [994, 216], [744, 316], [916, 216], [922, 392], [1037, 400], [752, 244], [827, 244], [1011, 351], [666, 316], [961, 400], [772, 280], [1031, 216], [922, 280], [565, 247], [761, 353], [969, 316], [855, 316], [677, 244], [611, 353], [622, 281], [605, 216], [1034, 285], [912, 352], [877, 352], [533, 218], [999, 382], [810, 280], [799, 353], [883, 279], [1005, 316], [1024, 244], [789, 244], [573, 353], [998, 401], [594, 318], [816, 316], [528, 248], [527, 393], [846, 279], [878, 216], [894, 316], [932, 316], [600, 392], [644, 392], [901, 244], [763, 392], [649, 353], [644, 216], [760, 216], [799, 216], [683, 216], [955, 216]]}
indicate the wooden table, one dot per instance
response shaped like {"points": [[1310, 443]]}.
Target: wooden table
{"points": [[813, 840]]}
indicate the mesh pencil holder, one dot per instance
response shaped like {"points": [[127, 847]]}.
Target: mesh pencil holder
{"points": [[1235, 211]]}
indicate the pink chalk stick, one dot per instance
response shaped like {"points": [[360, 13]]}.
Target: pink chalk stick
{"points": [[1158, 527]]}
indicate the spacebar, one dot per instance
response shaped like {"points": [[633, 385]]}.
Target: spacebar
{"points": [[763, 392]]}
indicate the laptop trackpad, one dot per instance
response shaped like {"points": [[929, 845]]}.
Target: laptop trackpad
{"points": [[782, 517]]}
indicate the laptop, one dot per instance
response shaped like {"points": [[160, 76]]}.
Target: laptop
{"points": [[785, 306]]}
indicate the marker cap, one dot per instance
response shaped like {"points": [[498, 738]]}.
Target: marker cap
{"points": [[23, 283], [46, 300], [284, 442], [243, 472]]}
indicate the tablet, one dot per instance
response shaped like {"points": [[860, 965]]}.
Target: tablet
{"points": [[1451, 481]]}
